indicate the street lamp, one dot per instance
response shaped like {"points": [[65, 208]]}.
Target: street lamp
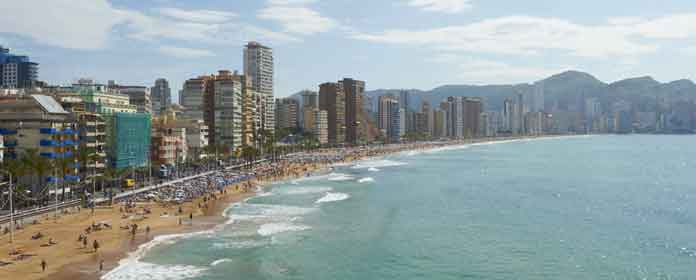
{"points": [[11, 209]]}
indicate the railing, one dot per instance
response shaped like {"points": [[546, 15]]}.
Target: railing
{"points": [[38, 211], [169, 183]]}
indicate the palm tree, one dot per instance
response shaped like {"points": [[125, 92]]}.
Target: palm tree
{"points": [[40, 167], [84, 157]]}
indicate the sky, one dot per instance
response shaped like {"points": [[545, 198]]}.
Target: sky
{"points": [[388, 43]]}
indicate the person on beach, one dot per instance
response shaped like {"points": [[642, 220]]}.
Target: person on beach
{"points": [[84, 242], [147, 230], [43, 265], [95, 245], [101, 265]]}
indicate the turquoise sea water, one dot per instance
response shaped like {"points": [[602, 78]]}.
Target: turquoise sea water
{"points": [[601, 207]]}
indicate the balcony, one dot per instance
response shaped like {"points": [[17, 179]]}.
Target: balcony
{"points": [[49, 154], [6, 131], [68, 131], [70, 142], [73, 178], [48, 130], [49, 143]]}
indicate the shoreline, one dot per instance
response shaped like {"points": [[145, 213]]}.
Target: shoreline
{"points": [[120, 246]]}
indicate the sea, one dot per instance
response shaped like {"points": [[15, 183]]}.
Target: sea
{"points": [[582, 207]]}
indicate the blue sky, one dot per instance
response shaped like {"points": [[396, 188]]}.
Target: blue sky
{"points": [[388, 43]]}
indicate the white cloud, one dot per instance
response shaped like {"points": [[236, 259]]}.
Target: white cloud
{"points": [[57, 23], [181, 52], [444, 6], [202, 16], [296, 17], [525, 35]]}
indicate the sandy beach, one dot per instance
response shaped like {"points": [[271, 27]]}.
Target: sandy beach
{"points": [[71, 259]]}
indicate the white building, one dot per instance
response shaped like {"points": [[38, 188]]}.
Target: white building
{"points": [[258, 67]]}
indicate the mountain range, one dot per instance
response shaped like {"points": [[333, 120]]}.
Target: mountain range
{"points": [[564, 92]]}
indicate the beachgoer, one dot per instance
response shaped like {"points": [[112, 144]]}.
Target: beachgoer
{"points": [[95, 244], [43, 265], [101, 265]]}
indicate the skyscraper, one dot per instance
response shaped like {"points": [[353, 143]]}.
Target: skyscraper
{"points": [[353, 90], [332, 100], [258, 68], [161, 96], [191, 97], [286, 113], [309, 99], [17, 71]]}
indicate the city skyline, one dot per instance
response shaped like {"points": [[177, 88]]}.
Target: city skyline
{"points": [[497, 42]]}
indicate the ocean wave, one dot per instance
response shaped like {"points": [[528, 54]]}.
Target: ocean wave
{"points": [[331, 197], [267, 212], [239, 244], [220, 261], [132, 268], [275, 228], [340, 177], [376, 163], [305, 190], [373, 169], [150, 271], [366, 180]]}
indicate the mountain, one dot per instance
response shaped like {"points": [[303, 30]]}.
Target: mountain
{"points": [[563, 91]]}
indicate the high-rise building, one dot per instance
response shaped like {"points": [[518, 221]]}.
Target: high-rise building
{"points": [[286, 113], [507, 115], [473, 108], [354, 90], [161, 96], [223, 109], [321, 126], [332, 100], [404, 101], [258, 68], [17, 71], [394, 130], [439, 123], [138, 96], [309, 99], [383, 112], [191, 97]]}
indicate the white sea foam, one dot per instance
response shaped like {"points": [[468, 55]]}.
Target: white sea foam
{"points": [[331, 197], [340, 177], [373, 169], [268, 212], [275, 228], [306, 190], [150, 271], [376, 163], [239, 244], [132, 268], [220, 261], [366, 180]]}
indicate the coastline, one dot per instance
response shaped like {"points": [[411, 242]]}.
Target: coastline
{"points": [[77, 263]]}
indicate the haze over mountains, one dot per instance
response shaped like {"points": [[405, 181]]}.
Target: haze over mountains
{"points": [[562, 91]]}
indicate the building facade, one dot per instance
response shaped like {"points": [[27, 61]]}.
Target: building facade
{"points": [[332, 100], [17, 71], [161, 96], [258, 68]]}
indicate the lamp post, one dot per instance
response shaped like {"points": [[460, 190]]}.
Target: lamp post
{"points": [[11, 210]]}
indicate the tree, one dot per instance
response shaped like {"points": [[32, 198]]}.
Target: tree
{"points": [[39, 166]]}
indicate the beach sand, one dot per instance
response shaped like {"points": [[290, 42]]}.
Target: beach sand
{"points": [[69, 260]]}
